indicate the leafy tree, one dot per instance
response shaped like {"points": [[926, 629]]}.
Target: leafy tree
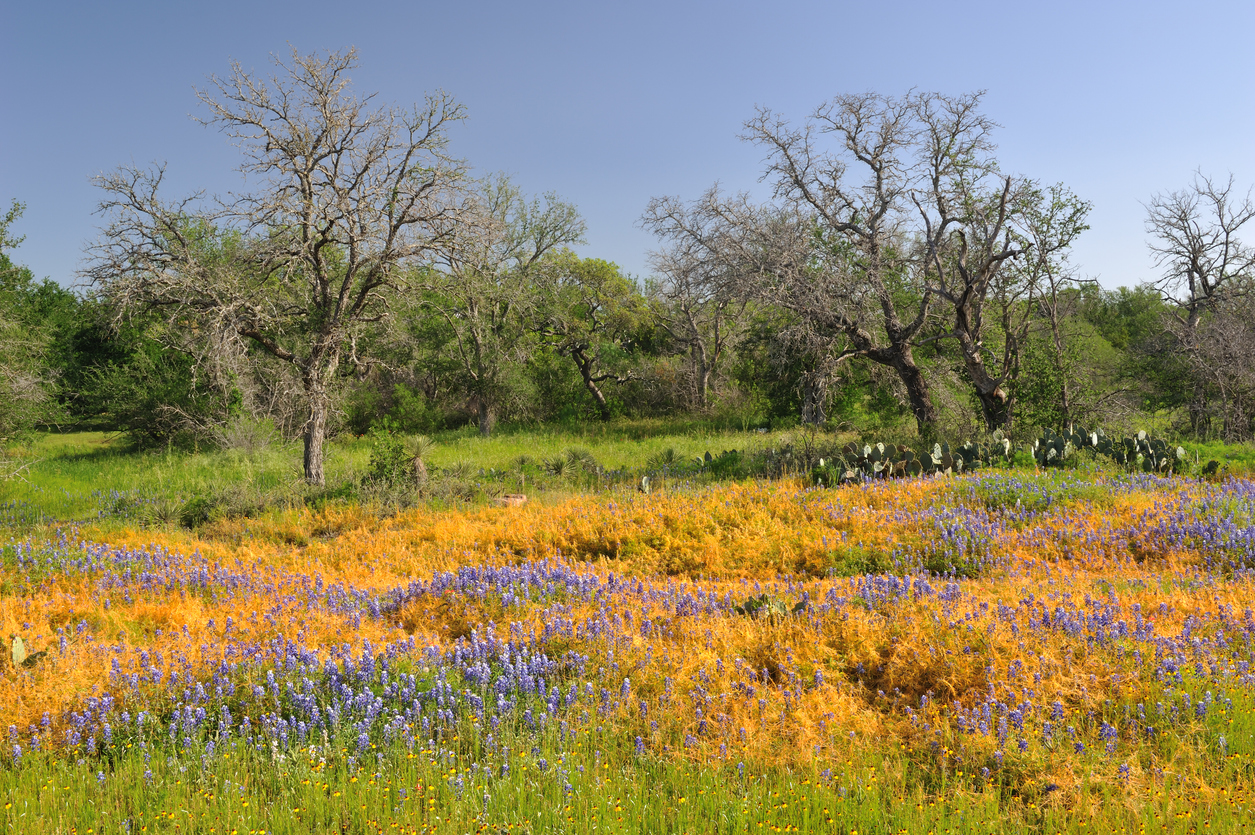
{"points": [[594, 315], [1035, 292], [26, 378], [485, 288]]}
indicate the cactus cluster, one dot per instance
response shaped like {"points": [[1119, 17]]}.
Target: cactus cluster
{"points": [[771, 608], [857, 461], [1139, 452]]}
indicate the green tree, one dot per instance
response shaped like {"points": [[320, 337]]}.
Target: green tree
{"points": [[485, 285], [593, 315], [27, 381]]}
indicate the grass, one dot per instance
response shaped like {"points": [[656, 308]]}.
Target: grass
{"points": [[94, 476], [1007, 651]]}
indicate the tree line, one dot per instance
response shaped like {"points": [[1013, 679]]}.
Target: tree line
{"points": [[895, 274]]}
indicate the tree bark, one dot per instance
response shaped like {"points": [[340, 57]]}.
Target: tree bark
{"points": [[814, 398], [917, 392], [315, 428], [585, 365], [485, 416], [483, 407], [701, 375]]}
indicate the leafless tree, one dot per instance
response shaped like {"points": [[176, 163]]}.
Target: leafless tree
{"points": [[1222, 356], [836, 248], [967, 208], [701, 310], [483, 283], [1194, 239], [889, 214], [1206, 268], [861, 279], [349, 196]]}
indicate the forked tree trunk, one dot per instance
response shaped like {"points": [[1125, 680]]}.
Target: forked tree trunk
{"points": [[995, 404], [314, 377], [814, 398], [585, 364]]}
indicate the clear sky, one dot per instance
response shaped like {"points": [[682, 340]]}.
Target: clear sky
{"points": [[611, 104]]}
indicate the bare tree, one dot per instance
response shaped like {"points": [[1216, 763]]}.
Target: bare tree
{"points": [[836, 248], [860, 280], [1222, 357], [348, 196], [884, 207], [1206, 267], [483, 284], [700, 310], [967, 208], [1194, 239]]}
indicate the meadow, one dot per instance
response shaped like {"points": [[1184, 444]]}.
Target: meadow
{"points": [[1011, 650]]}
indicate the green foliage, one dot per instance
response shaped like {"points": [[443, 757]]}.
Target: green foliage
{"points": [[1136, 453], [880, 460], [768, 607], [391, 462], [370, 402], [140, 385], [30, 315]]}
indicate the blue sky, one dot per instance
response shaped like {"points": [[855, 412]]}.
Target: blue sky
{"points": [[611, 104]]}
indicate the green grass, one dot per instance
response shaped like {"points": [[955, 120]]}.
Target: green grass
{"points": [[92, 476], [597, 784]]}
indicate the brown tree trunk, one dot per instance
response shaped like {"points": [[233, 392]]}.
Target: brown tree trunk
{"points": [[485, 416], [315, 428], [917, 393], [701, 374], [1065, 400], [585, 365], [994, 403], [483, 407]]}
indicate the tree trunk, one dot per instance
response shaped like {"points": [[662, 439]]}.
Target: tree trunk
{"points": [[701, 375], [994, 403], [481, 377], [814, 399], [585, 365], [485, 416], [917, 393], [315, 430], [1065, 401]]}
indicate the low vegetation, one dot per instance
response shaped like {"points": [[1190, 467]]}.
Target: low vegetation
{"points": [[1011, 649]]}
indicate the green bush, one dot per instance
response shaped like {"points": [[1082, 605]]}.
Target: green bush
{"points": [[390, 460]]}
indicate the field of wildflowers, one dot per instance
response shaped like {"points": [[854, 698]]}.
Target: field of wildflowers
{"points": [[998, 652]]}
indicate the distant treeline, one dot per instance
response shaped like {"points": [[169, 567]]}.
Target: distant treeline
{"points": [[897, 278]]}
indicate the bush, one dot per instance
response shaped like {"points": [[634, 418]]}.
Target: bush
{"points": [[390, 460]]}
